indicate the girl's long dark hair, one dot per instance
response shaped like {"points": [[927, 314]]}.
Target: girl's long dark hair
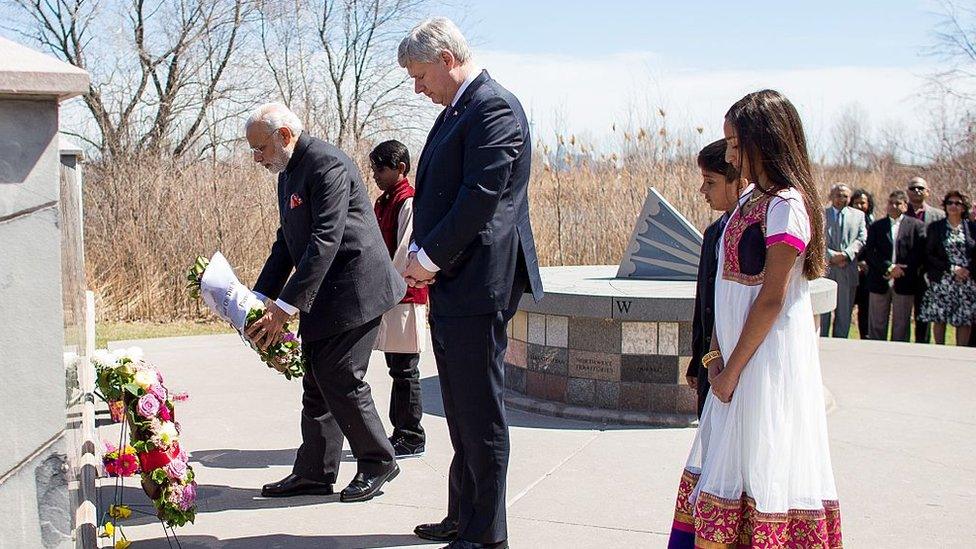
{"points": [[770, 136]]}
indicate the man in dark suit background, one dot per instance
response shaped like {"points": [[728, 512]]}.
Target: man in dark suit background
{"points": [[343, 281], [471, 231], [894, 252], [920, 209]]}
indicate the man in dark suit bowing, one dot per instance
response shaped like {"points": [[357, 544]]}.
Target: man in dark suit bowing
{"points": [[472, 241], [343, 282]]}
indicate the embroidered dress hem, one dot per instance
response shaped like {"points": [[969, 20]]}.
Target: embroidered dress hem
{"points": [[717, 523]]}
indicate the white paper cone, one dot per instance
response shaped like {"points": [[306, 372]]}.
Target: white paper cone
{"points": [[224, 293]]}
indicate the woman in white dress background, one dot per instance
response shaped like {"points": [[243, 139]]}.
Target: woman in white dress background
{"points": [[759, 472]]}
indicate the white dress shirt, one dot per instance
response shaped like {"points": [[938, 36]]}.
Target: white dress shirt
{"points": [[895, 224], [422, 256]]}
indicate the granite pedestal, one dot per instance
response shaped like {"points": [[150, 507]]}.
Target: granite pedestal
{"points": [[602, 348]]}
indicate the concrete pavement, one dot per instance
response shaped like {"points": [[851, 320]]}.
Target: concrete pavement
{"points": [[902, 437]]}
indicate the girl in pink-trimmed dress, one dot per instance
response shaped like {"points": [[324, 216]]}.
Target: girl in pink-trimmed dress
{"points": [[759, 474]]}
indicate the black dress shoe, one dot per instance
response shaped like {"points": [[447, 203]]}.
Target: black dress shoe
{"points": [[365, 486], [294, 485], [461, 544], [403, 448], [445, 530]]}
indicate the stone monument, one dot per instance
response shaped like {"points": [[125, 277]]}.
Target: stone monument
{"points": [[612, 343], [34, 471]]}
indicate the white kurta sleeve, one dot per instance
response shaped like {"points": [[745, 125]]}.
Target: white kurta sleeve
{"points": [[404, 233]]}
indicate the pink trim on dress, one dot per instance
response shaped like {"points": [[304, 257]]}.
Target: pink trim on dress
{"points": [[787, 239]]}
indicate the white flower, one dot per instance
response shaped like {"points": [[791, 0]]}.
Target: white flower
{"points": [[134, 354], [103, 358], [166, 434]]}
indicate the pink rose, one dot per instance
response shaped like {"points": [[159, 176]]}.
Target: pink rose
{"points": [[176, 469], [158, 391], [164, 413], [148, 406]]}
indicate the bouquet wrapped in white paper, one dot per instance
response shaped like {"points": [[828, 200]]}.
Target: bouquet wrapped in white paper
{"points": [[214, 280]]}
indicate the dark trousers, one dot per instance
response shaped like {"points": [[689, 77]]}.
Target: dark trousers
{"points": [[862, 299], [406, 406], [337, 403], [923, 331], [470, 354]]}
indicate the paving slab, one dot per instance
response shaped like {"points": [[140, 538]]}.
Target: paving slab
{"points": [[902, 437]]}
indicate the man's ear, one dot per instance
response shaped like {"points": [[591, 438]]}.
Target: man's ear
{"points": [[402, 169], [448, 59], [286, 135]]}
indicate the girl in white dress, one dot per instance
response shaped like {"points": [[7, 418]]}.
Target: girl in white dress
{"points": [[759, 473]]}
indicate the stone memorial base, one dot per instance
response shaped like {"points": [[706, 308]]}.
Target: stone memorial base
{"points": [[599, 348]]}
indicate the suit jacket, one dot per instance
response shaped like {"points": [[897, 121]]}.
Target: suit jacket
{"points": [[909, 246], [847, 236], [932, 214], [471, 210], [343, 276], [704, 317], [937, 259]]}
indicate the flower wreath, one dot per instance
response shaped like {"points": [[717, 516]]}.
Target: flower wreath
{"points": [[150, 416]]}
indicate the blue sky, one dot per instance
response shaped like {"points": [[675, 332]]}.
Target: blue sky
{"points": [[711, 34], [582, 67]]}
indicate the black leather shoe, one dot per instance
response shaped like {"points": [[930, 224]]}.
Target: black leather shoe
{"points": [[402, 448], [445, 530], [294, 485], [364, 486], [461, 544]]}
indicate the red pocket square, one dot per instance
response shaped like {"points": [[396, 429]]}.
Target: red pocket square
{"points": [[294, 202]]}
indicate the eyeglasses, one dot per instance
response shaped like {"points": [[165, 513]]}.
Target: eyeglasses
{"points": [[917, 189], [260, 150], [954, 203]]}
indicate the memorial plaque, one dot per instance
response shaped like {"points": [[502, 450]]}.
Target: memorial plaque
{"points": [[649, 368], [663, 246], [552, 360], [591, 365]]}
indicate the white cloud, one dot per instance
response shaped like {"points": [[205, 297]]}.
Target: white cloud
{"points": [[585, 95]]}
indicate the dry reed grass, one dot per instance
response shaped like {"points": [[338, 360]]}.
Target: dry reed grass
{"points": [[146, 218]]}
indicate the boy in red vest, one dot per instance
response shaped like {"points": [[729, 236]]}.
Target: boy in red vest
{"points": [[403, 329]]}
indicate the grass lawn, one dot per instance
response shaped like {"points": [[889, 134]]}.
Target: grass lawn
{"points": [[119, 331], [950, 338]]}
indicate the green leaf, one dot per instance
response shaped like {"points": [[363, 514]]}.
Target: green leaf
{"points": [[132, 388]]}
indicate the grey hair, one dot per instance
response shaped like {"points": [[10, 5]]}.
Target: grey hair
{"points": [[917, 179], [838, 186], [428, 39], [274, 116]]}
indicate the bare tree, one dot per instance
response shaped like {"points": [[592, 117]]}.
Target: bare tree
{"points": [[336, 61], [158, 68], [955, 46], [850, 136]]}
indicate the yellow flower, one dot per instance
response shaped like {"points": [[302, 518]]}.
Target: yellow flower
{"points": [[122, 544], [144, 379], [119, 511], [109, 530]]}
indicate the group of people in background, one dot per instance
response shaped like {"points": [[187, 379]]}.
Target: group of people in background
{"points": [[913, 263]]}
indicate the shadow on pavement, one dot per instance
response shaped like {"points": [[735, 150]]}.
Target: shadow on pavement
{"points": [[210, 499], [430, 388], [251, 459], [286, 541]]}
